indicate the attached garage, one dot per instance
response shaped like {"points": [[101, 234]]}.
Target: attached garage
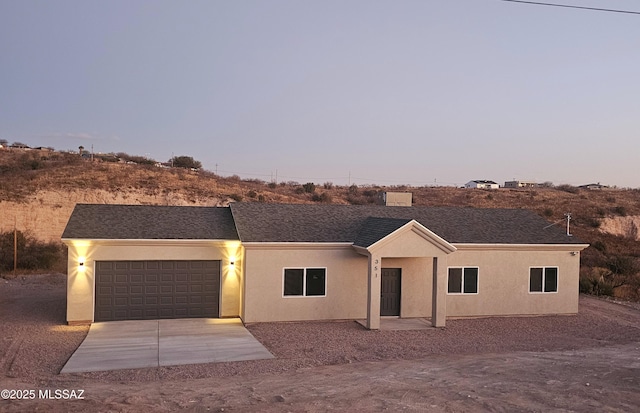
{"points": [[143, 290]]}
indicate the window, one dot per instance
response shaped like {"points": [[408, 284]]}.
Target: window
{"points": [[307, 282], [543, 280], [463, 280]]}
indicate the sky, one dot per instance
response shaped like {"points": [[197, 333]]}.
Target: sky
{"points": [[430, 92]]}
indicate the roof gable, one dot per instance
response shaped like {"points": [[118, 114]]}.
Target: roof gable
{"points": [[401, 238]]}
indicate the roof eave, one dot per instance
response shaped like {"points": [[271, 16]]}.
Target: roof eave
{"points": [[520, 247]]}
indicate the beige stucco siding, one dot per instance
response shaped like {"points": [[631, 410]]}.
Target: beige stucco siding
{"points": [[81, 281], [503, 283], [346, 284], [253, 287]]}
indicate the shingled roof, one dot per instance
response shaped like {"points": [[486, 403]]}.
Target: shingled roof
{"points": [[375, 229], [258, 222], [361, 225], [150, 222]]}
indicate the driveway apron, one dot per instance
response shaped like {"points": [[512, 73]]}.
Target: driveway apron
{"points": [[137, 344]]}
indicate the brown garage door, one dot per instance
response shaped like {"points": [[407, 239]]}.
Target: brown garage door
{"points": [[143, 290]]}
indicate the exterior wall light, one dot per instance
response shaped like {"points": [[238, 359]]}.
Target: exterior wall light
{"points": [[232, 262]]}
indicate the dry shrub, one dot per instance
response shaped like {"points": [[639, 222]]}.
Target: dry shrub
{"points": [[33, 254]]}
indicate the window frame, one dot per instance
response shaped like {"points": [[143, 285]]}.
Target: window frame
{"points": [[304, 282], [544, 277], [462, 280]]}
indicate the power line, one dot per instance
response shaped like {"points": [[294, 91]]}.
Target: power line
{"points": [[569, 6]]}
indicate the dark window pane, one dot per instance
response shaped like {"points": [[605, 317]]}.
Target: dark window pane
{"points": [[293, 279], [315, 281], [535, 280], [550, 280], [470, 280], [455, 280]]}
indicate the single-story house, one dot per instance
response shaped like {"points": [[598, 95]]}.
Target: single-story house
{"points": [[520, 184], [280, 262], [597, 186], [482, 184]]}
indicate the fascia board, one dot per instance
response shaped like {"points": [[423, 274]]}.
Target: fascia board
{"points": [[521, 247], [176, 242], [296, 245]]}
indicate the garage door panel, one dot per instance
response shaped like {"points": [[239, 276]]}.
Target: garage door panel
{"points": [[136, 265], [105, 265], [121, 265], [123, 289], [167, 278], [131, 290]]}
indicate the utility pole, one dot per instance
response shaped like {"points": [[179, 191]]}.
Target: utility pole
{"points": [[15, 245]]}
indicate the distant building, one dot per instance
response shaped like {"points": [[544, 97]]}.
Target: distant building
{"points": [[594, 186], [520, 184], [482, 184], [396, 198]]}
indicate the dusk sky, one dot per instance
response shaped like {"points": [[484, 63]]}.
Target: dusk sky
{"points": [[366, 92]]}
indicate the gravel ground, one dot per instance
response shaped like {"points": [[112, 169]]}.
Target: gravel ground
{"points": [[36, 342]]}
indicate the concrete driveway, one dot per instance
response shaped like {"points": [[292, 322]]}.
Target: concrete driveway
{"points": [[137, 344]]}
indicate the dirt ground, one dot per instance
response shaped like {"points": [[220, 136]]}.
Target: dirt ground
{"points": [[589, 362]]}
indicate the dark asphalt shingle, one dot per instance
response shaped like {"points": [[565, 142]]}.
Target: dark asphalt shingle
{"points": [[258, 222], [375, 229], [150, 222]]}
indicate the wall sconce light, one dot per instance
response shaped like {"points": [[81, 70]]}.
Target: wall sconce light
{"points": [[232, 261], [81, 265]]}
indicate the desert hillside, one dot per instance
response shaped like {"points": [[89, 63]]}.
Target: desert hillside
{"points": [[38, 193]]}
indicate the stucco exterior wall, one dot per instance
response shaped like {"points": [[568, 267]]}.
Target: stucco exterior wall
{"points": [[257, 294], [503, 283], [346, 284], [81, 280]]}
